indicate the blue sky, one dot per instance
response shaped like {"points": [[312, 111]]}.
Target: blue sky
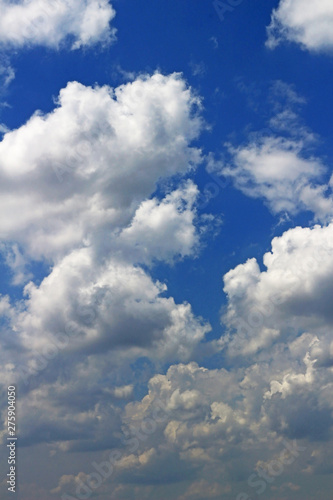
{"points": [[167, 247]]}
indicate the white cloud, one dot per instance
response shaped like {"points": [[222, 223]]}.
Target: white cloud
{"points": [[86, 167], [291, 295], [40, 22], [308, 23], [116, 306], [84, 324], [123, 392], [282, 172], [278, 164], [112, 147], [161, 230]]}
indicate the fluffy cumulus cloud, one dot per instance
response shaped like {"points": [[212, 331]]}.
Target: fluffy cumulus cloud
{"points": [[307, 23], [277, 170], [291, 295], [116, 306], [77, 185], [90, 163], [278, 164], [279, 325], [39, 22], [159, 229]]}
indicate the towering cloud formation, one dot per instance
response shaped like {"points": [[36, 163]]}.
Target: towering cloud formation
{"points": [[76, 188]]}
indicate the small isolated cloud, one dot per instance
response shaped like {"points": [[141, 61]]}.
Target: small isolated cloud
{"points": [[17, 263], [198, 68], [120, 73], [277, 170], [283, 96], [123, 392], [277, 164], [214, 42], [7, 74], [205, 489], [41, 22], [290, 486], [309, 24]]}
